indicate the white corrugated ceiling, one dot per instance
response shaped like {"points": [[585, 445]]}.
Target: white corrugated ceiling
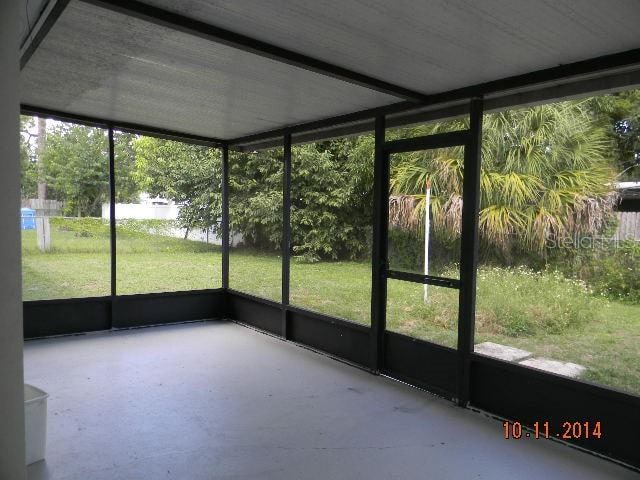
{"points": [[431, 45], [100, 63]]}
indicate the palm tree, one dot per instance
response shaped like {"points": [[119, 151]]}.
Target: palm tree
{"points": [[546, 174]]}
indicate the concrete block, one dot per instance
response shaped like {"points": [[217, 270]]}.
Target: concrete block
{"points": [[503, 352], [567, 369]]}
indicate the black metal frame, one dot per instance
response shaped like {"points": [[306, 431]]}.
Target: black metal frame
{"points": [[471, 140], [121, 126], [526, 82], [502, 388], [112, 209], [469, 247], [70, 316], [225, 217], [459, 375], [379, 247], [419, 278], [286, 232]]}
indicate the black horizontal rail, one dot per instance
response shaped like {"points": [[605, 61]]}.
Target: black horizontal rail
{"points": [[626, 59], [324, 123], [108, 298], [301, 310], [437, 140], [579, 88], [129, 127], [425, 279], [580, 385]]}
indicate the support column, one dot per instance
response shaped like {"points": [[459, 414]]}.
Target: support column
{"points": [[112, 223], [12, 448], [225, 217], [379, 249], [286, 233], [469, 247], [112, 209]]}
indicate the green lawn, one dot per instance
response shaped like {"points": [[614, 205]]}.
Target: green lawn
{"points": [[80, 266], [540, 312]]}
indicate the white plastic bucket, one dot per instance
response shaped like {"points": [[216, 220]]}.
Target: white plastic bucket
{"points": [[35, 419]]}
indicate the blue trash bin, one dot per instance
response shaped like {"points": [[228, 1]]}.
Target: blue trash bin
{"points": [[28, 218]]}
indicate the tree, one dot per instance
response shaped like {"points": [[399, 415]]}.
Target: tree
{"points": [[77, 168], [331, 198], [41, 152], [255, 204], [29, 171], [619, 114], [188, 174], [127, 188], [546, 173]]}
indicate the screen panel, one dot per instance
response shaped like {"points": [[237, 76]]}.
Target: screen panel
{"points": [[425, 212], [255, 222], [558, 278], [331, 227], [168, 212], [64, 185]]}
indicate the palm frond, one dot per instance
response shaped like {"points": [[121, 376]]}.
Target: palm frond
{"points": [[546, 172]]}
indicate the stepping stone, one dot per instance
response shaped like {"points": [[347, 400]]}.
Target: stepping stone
{"points": [[503, 352], [567, 369]]}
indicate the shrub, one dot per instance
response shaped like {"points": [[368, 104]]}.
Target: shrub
{"points": [[331, 199], [612, 271], [520, 302], [406, 252]]}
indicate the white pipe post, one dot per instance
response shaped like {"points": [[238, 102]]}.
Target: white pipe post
{"points": [[427, 228]]}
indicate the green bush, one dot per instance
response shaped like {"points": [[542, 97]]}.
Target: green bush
{"points": [[520, 302], [612, 271], [406, 252], [331, 199]]}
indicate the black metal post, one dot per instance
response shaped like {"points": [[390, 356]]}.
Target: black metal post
{"points": [[469, 246], [379, 249], [112, 221], [225, 216], [112, 209], [286, 232]]}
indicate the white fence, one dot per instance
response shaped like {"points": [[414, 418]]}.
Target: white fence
{"points": [[141, 211], [138, 211]]}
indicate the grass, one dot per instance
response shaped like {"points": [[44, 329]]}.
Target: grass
{"points": [[79, 265], [543, 313]]}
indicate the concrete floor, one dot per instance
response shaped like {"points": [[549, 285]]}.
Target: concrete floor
{"points": [[217, 400]]}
